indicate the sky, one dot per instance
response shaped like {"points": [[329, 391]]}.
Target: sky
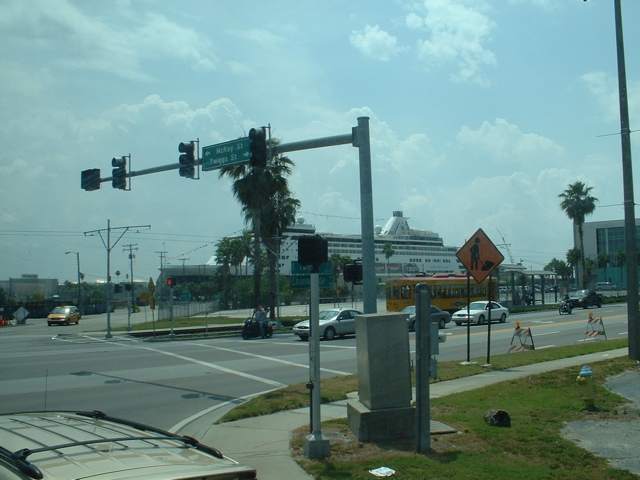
{"points": [[481, 112]]}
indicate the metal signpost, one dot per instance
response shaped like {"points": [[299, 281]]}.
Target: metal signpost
{"points": [[480, 257]]}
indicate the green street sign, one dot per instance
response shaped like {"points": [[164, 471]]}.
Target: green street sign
{"points": [[227, 153], [304, 281], [323, 268]]}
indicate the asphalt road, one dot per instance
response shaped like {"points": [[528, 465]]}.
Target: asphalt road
{"points": [[171, 384]]}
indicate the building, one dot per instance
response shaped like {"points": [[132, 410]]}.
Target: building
{"points": [[607, 237], [28, 286]]}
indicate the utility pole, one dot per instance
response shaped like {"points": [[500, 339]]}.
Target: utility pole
{"points": [[631, 245], [131, 257], [108, 247], [79, 285], [183, 260]]}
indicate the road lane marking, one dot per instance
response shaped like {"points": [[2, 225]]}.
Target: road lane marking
{"points": [[213, 366], [271, 359], [180, 425]]}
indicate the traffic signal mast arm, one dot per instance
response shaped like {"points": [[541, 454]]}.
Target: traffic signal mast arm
{"points": [[275, 150], [147, 171]]}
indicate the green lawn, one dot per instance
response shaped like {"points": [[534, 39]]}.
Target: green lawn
{"points": [[532, 448]]}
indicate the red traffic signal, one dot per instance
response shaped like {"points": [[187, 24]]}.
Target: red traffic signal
{"points": [[171, 282]]}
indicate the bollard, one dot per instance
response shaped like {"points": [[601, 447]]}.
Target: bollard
{"points": [[585, 380]]}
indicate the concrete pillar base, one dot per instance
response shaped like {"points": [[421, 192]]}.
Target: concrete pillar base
{"points": [[317, 445], [381, 425]]}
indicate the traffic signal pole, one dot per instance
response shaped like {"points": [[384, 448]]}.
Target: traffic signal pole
{"points": [[359, 137]]}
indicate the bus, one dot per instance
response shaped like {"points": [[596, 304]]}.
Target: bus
{"points": [[448, 292]]}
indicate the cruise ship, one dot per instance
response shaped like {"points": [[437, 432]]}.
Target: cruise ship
{"points": [[415, 251]]}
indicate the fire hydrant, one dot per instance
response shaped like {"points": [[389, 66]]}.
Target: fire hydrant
{"points": [[585, 380]]}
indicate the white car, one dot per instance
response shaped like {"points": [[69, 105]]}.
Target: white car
{"points": [[479, 313], [335, 321]]}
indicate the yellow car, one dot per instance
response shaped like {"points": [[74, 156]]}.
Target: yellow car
{"points": [[64, 315]]}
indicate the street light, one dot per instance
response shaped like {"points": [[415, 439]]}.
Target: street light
{"points": [[79, 286]]}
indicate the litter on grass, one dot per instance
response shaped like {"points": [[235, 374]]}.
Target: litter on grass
{"points": [[382, 472]]}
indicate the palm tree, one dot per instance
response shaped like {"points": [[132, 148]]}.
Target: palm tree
{"points": [[577, 203], [275, 219], [260, 190], [573, 259], [389, 252]]}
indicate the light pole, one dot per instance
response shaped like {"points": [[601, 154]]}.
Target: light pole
{"points": [[79, 286]]}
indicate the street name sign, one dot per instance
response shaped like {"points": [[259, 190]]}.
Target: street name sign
{"points": [[227, 153], [480, 256]]}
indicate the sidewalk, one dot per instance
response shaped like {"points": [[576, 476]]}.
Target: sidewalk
{"points": [[263, 442]]}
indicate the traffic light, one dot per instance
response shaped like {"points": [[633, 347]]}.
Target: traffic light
{"points": [[117, 288], [90, 179], [313, 250], [353, 273], [119, 173], [171, 282], [187, 159], [258, 147]]}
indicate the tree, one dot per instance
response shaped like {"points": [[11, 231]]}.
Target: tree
{"points": [[603, 262], [262, 190], [573, 258], [389, 252], [620, 259], [562, 269], [577, 203], [224, 258], [275, 219], [337, 265], [588, 267]]}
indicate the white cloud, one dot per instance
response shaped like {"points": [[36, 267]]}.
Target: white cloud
{"points": [[506, 143], [375, 43], [458, 33], [80, 40]]}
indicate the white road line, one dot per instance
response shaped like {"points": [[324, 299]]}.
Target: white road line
{"points": [[178, 426], [271, 359], [204, 364]]}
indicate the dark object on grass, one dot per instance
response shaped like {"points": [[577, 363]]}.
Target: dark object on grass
{"points": [[497, 418]]}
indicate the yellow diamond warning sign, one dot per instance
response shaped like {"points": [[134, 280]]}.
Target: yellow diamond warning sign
{"points": [[480, 256]]}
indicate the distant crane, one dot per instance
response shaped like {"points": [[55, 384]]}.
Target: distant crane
{"points": [[506, 246]]}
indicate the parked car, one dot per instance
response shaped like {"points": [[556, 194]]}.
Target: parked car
{"points": [[605, 286], [64, 315], [92, 445], [586, 298], [335, 321], [441, 317], [479, 313]]}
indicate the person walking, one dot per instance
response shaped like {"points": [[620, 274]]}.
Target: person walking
{"points": [[261, 317]]}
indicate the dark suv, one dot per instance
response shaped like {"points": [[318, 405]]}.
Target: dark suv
{"points": [[586, 298]]}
